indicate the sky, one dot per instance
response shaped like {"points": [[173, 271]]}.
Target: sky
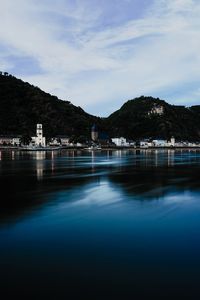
{"points": [[100, 53]]}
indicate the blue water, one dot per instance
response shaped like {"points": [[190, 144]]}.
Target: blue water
{"points": [[106, 224]]}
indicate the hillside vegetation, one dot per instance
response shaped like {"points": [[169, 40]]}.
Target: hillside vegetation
{"points": [[135, 120], [23, 105]]}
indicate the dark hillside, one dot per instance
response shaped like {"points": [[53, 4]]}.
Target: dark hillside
{"points": [[151, 117], [23, 105]]}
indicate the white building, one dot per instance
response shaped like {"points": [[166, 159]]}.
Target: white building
{"points": [[54, 142], [145, 144], [156, 110], [120, 142], [59, 140], [172, 141], [160, 143], [16, 141], [39, 140], [10, 140]]}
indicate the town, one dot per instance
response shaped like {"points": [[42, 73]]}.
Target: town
{"points": [[96, 142]]}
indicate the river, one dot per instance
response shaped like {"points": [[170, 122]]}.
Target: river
{"points": [[104, 224]]}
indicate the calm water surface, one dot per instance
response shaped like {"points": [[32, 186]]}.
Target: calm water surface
{"points": [[104, 224]]}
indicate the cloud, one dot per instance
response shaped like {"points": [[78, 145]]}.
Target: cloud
{"points": [[98, 54]]}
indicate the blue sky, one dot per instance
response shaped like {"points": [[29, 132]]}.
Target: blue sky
{"points": [[100, 53]]}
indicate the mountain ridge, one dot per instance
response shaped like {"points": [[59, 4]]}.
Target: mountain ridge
{"points": [[138, 119], [23, 105]]}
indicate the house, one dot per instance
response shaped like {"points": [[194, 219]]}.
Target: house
{"points": [[159, 143], [54, 142], [120, 142], [145, 143], [10, 140], [63, 139]]}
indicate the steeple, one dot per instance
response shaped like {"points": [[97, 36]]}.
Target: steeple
{"points": [[39, 131], [94, 133]]}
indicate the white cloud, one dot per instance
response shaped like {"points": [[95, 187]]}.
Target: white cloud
{"points": [[85, 62]]}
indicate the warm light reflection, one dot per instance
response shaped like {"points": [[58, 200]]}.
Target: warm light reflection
{"points": [[52, 162], [40, 156], [93, 160], [13, 155], [170, 157], [156, 158]]}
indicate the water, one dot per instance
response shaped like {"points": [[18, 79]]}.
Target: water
{"points": [[105, 224]]}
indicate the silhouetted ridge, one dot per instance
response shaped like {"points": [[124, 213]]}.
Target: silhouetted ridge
{"points": [[23, 105], [146, 117]]}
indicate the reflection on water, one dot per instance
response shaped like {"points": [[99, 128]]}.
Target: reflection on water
{"points": [[40, 156], [114, 221], [138, 174]]}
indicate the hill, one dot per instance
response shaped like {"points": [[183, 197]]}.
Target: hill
{"points": [[23, 105], [146, 117]]}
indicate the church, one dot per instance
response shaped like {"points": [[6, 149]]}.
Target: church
{"points": [[39, 140]]}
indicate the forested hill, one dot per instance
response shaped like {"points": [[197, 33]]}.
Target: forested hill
{"points": [[23, 105], [146, 117]]}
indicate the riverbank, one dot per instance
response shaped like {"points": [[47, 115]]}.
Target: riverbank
{"points": [[83, 148]]}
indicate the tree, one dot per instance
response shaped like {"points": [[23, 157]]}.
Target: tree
{"points": [[81, 139], [25, 139]]}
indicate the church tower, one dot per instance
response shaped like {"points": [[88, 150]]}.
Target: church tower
{"points": [[94, 133], [40, 140], [39, 131]]}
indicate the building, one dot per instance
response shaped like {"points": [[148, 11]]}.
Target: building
{"points": [[39, 140], [64, 140], [156, 110], [54, 142], [5, 140], [159, 143], [59, 140], [120, 142], [10, 140], [16, 141], [172, 141], [145, 143], [94, 133]]}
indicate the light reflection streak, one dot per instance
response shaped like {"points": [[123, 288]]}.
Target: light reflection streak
{"points": [[40, 156]]}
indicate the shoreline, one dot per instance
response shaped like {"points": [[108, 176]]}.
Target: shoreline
{"points": [[99, 150]]}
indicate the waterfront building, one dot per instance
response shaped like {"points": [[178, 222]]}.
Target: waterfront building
{"points": [[172, 141], [146, 143], [10, 140], [59, 140], [39, 140], [54, 142], [120, 142], [64, 140], [94, 133], [159, 143], [16, 141]]}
